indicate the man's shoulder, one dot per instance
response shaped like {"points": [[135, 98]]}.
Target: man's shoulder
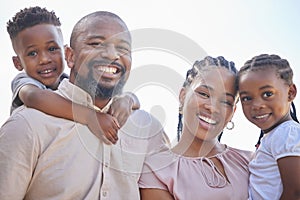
{"points": [[143, 124], [144, 118]]}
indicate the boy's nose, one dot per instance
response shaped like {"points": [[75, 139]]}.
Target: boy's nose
{"points": [[44, 58]]}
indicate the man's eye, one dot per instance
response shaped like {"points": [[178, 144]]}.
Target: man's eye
{"points": [[97, 44], [123, 50]]}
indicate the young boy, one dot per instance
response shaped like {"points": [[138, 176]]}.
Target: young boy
{"points": [[38, 43]]}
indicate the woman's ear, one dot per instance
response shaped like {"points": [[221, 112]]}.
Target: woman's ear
{"points": [[17, 63], [292, 92], [69, 56], [182, 96]]}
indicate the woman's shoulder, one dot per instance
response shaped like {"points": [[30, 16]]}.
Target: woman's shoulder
{"points": [[245, 154]]}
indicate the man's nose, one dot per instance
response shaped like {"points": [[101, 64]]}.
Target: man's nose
{"points": [[110, 52]]}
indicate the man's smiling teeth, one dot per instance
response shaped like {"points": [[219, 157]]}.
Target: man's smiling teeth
{"points": [[111, 70], [207, 120], [261, 116]]}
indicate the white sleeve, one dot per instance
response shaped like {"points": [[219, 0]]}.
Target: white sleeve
{"points": [[286, 140]]}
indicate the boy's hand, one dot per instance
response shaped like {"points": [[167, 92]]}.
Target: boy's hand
{"points": [[121, 108], [104, 126]]}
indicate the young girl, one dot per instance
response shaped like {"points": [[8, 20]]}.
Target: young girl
{"points": [[199, 167], [38, 43], [266, 91]]}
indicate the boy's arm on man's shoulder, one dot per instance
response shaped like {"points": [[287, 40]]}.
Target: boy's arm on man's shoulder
{"points": [[53, 104]]}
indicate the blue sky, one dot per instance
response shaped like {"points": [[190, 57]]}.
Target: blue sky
{"points": [[238, 30]]}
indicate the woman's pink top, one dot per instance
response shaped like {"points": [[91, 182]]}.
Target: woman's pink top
{"points": [[188, 178]]}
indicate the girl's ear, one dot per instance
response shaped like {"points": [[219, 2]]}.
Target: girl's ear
{"points": [[292, 92], [17, 63], [69, 56]]}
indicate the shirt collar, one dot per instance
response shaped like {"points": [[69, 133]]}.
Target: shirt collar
{"points": [[79, 96]]}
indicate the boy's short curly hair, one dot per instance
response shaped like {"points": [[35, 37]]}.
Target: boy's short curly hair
{"points": [[29, 17]]}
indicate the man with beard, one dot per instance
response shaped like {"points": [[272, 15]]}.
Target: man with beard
{"points": [[44, 157]]}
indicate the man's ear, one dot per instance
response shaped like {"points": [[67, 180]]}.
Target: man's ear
{"points": [[17, 63], [292, 92], [69, 56]]}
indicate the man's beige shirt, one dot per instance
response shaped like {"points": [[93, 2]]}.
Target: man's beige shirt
{"points": [[44, 157]]}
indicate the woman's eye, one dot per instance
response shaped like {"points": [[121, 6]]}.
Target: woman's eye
{"points": [[203, 94], [228, 103]]}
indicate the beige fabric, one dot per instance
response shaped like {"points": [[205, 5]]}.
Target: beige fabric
{"points": [[44, 157]]}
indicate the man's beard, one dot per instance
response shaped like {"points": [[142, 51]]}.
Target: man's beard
{"points": [[96, 90]]}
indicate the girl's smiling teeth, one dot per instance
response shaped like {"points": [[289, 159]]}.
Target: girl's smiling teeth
{"points": [[261, 116], [207, 120]]}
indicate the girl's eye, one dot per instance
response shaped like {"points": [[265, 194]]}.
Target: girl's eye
{"points": [[32, 53], [244, 99], [267, 94]]}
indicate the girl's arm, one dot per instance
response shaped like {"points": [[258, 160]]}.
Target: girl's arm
{"points": [[104, 126], [289, 168], [151, 193]]}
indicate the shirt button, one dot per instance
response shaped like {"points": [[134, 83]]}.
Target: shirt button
{"points": [[104, 193]]}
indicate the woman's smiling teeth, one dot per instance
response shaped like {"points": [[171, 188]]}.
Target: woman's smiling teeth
{"points": [[106, 69], [207, 120]]}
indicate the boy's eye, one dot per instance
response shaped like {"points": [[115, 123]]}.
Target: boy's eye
{"points": [[267, 94], [53, 48], [32, 53]]}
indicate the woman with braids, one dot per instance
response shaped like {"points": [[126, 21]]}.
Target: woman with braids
{"points": [[266, 91], [199, 166]]}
